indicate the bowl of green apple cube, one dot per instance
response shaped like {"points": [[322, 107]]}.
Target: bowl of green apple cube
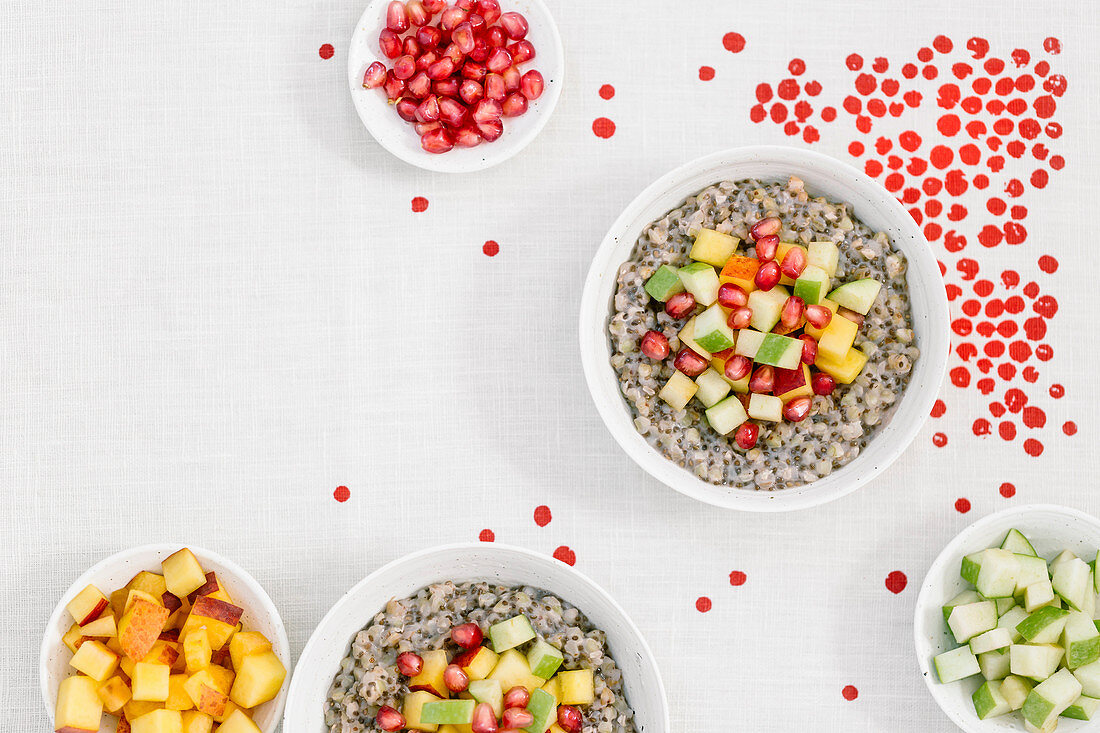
{"points": [[1005, 625]]}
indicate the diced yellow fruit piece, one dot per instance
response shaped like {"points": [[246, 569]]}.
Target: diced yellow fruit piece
{"points": [[482, 663], [113, 645], [127, 666], [513, 671], [196, 722], [94, 659], [713, 247], [163, 652], [678, 391], [413, 707], [259, 679], [87, 605], [230, 707], [687, 338], [824, 255], [816, 332], [135, 594], [846, 370], [455, 729], [147, 582], [73, 638], [114, 693], [150, 682], [79, 708], [555, 728], [719, 364], [140, 628], [238, 722], [182, 573], [837, 339], [178, 699], [196, 650], [158, 721], [118, 601], [137, 708], [577, 687], [205, 694], [781, 252], [740, 271], [553, 687], [103, 627], [245, 643]]}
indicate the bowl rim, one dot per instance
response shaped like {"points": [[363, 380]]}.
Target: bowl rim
{"points": [[493, 154], [318, 636], [238, 574], [841, 482], [952, 551]]}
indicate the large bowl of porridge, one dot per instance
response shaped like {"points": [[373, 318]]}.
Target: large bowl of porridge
{"points": [[850, 435], [349, 669]]}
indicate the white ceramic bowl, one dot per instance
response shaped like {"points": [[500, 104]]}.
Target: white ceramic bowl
{"points": [[824, 176], [114, 572], [320, 660], [1051, 529], [399, 137]]}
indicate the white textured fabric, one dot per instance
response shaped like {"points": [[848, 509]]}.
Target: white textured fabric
{"points": [[218, 306]]}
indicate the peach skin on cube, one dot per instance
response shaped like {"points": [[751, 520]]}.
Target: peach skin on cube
{"points": [[103, 627], [79, 709], [259, 679], [140, 628], [73, 638], [205, 694], [87, 605], [230, 707]]}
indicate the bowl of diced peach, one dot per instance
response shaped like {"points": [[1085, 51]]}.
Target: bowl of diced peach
{"points": [[163, 639]]}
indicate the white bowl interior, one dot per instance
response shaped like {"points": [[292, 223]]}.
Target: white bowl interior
{"points": [[1051, 529], [398, 136], [496, 563], [260, 615], [824, 176]]}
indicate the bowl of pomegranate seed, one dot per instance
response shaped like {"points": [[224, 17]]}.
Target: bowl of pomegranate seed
{"points": [[455, 86], [482, 637], [764, 329]]}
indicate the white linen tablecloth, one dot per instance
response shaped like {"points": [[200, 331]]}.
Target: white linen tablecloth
{"points": [[215, 295]]}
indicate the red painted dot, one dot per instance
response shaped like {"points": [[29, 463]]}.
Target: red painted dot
{"points": [[607, 91], [854, 62], [850, 692], [942, 44], [938, 408], [542, 515], [829, 114], [763, 92], [1057, 162], [758, 113], [813, 88], [909, 71], [779, 112], [865, 84], [939, 440], [1057, 391], [1069, 428], [738, 578], [733, 42], [1052, 45], [1033, 447], [706, 73], [1034, 417], [1007, 490], [960, 377], [981, 427], [896, 582], [326, 51], [603, 127], [487, 535], [962, 506], [1044, 352], [797, 66], [342, 494], [703, 604], [419, 204], [1046, 306], [566, 555], [490, 248], [1007, 430], [948, 125]]}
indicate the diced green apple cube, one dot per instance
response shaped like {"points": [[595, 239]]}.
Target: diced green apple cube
{"points": [[1072, 581], [1089, 677], [1038, 595], [858, 295], [544, 659], [448, 712], [517, 630], [997, 576], [1049, 698], [544, 708], [1096, 575], [767, 306], [824, 255], [1035, 661], [971, 567], [1016, 542], [713, 387], [1081, 641], [962, 599], [1015, 690], [765, 407], [1004, 605], [971, 619], [1010, 620], [812, 285], [1044, 626], [727, 415], [701, 280], [687, 338], [995, 665], [490, 692], [678, 391], [713, 247], [711, 331], [748, 342], [1063, 557], [991, 641], [664, 283], [1083, 708], [1032, 570], [956, 664], [989, 702], [780, 351]]}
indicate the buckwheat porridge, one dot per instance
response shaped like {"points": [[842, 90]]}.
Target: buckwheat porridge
{"points": [[442, 625], [830, 426]]}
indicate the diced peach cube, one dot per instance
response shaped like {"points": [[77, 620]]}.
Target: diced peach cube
{"points": [[114, 693], [149, 682], [259, 679], [245, 643], [238, 722], [413, 708], [149, 583], [87, 605], [79, 709], [137, 708], [163, 652], [183, 573], [205, 694], [178, 699], [135, 594], [158, 721], [196, 722], [230, 708], [94, 659], [140, 628], [219, 618], [73, 638], [196, 650], [103, 627]]}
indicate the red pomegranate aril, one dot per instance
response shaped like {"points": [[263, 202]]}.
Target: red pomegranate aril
{"points": [[851, 315], [454, 53], [451, 112], [374, 76], [569, 719], [747, 435], [481, 50], [404, 67], [818, 316], [517, 718], [467, 635], [680, 305], [655, 345], [767, 277], [809, 348], [409, 664], [499, 60], [765, 227], [397, 17], [437, 142], [467, 137], [737, 367], [490, 10], [794, 263], [426, 59], [797, 409], [485, 720], [732, 296], [791, 315], [390, 43], [517, 697], [466, 5], [452, 18], [491, 130], [522, 52], [395, 88], [428, 111], [495, 88], [766, 247], [389, 719], [822, 383], [531, 84], [763, 380], [455, 679], [434, 6], [406, 108], [411, 47], [514, 24], [512, 78], [515, 105], [470, 91], [446, 87], [441, 69], [423, 128], [429, 37], [487, 110], [463, 37], [496, 37], [473, 70], [418, 14], [740, 318], [690, 363]]}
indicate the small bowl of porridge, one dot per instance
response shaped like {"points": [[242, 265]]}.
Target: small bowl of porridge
{"points": [[764, 329]]}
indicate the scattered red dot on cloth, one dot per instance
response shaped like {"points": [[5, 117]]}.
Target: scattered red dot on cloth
{"points": [[939, 408], [490, 248], [1069, 428], [703, 604], [566, 555], [706, 73], [962, 506], [939, 440], [733, 42], [1057, 391], [1033, 447], [326, 51], [342, 494], [1008, 490], [419, 204], [487, 535], [850, 692], [738, 578], [896, 582], [603, 127], [607, 91], [1048, 263], [542, 515]]}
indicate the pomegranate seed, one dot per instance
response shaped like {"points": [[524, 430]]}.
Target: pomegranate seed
{"points": [[747, 435], [531, 84], [494, 87], [499, 60], [452, 18], [446, 88], [466, 5], [426, 59], [822, 383], [655, 345], [485, 720], [514, 24], [791, 315], [429, 37], [404, 67], [487, 110], [522, 51], [481, 50], [765, 227], [418, 14], [463, 37], [690, 363], [390, 43], [411, 47], [470, 91], [517, 697], [375, 75], [515, 105], [389, 719], [441, 69], [517, 718], [397, 18], [766, 247], [437, 142], [434, 6], [740, 318], [491, 130], [818, 316], [794, 263], [423, 128], [473, 70], [512, 78], [395, 88], [797, 409], [732, 296], [455, 679], [767, 277], [763, 380], [680, 305], [737, 367], [406, 108], [490, 10], [454, 53], [409, 664], [496, 37], [809, 348], [467, 636], [451, 112], [428, 111], [467, 137], [851, 315], [569, 719]]}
